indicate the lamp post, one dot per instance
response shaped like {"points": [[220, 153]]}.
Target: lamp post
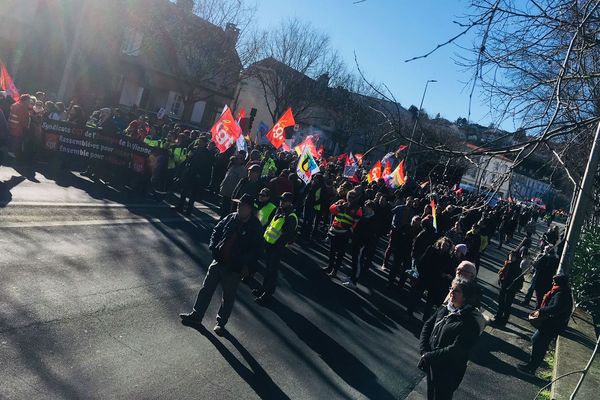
{"points": [[412, 136]]}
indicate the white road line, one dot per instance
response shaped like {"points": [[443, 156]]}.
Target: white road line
{"points": [[88, 204], [129, 221]]}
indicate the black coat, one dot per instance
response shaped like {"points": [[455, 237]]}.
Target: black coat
{"points": [[198, 167], [246, 245], [558, 311], [446, 340]]}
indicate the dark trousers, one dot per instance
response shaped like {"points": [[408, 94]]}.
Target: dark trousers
{"points": [[311, 221], [229, 280], [193, 193], [529, 293], [272, 264], [362, 257], [438, 388], [402, 261], [337, 250], [540, 342], [225, 207], [505, 301]]}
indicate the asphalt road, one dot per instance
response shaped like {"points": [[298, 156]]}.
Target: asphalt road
{"points": [[90, 294], [92, 281]]}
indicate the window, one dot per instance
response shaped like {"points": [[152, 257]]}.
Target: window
{"points": [[177, 106], [132, 42]]}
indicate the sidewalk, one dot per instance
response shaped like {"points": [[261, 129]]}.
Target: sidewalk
{"points": [[492, 373], [573, 350]]}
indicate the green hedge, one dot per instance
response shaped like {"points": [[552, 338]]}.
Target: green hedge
{"points": [[585, 272]]}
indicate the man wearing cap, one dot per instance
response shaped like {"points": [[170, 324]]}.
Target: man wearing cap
{"points": [[235, 243], [265, 207], [280, 232]]}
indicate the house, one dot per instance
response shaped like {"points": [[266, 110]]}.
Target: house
{"points": [[268, 87], [149, 53], [523, 187], [487, 172]]}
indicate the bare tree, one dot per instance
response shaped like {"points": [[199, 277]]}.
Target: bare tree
{"points": [[295, 66]]}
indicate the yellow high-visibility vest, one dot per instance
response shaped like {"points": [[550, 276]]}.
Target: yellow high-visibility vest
{"points": [[273, 232], [265, 213]]}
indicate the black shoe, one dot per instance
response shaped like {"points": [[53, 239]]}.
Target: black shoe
{"points": [[192, 318], [497, 323], [526, 369], [219, 330], [263, 300], [257, 292]]}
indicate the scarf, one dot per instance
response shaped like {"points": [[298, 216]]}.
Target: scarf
{"points": [[548, 296], [452, 309]]}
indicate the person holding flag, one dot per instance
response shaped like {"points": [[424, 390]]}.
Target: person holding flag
{"points": [[313, 206]]}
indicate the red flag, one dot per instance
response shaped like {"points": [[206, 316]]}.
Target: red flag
{"points": [[310, 144], [321, 151], [387, 171], [285, 146], [342, 156], [402, 147], [277, 133], [7, 84], [424, 184], [225, 131], [241, 115], [375, 172]]}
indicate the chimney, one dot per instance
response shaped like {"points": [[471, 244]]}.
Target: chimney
{"points": [[186, 5], [232, 31]]}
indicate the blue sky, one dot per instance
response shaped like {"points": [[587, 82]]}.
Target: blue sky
{"points": [[384, 33]]}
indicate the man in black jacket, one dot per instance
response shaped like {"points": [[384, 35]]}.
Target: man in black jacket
{"points": [[555, 312], [235, 243], [196, 175]]}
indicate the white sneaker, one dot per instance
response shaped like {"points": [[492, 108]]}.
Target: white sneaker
{"points": [[384, 268]]}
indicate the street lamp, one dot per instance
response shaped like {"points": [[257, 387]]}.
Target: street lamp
{"points": [[412, 136]]}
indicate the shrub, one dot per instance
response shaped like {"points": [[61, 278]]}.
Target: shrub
{"points": [[585, 272]]}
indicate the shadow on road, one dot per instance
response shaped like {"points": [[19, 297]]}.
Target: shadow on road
{"points": [[337, 357], [6, 187], [255, 376]]}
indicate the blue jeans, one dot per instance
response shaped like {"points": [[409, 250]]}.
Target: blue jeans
{"points": [[540, 341]]}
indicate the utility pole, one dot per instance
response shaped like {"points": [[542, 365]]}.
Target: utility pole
{"points": [[581, 207]]}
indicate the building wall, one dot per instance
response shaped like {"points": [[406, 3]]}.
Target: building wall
{"points": [[524, 187], [487, 174]]}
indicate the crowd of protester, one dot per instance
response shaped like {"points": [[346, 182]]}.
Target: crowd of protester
{"points": [[265, 207]]}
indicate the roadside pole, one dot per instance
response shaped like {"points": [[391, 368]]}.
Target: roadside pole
{"points": [[581, 207]]}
